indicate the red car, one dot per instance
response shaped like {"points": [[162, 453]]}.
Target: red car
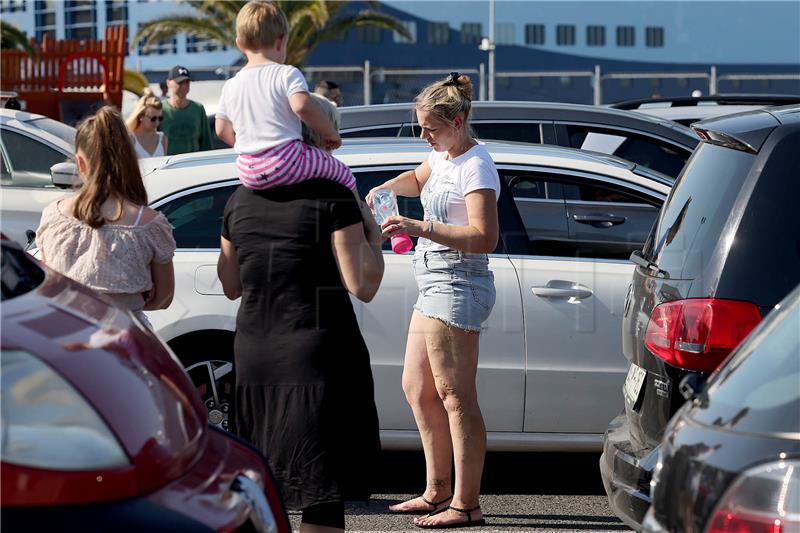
{"points": [[101, 426]]}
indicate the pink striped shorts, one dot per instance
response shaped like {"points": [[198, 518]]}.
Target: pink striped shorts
{"points": [[289, 163]]}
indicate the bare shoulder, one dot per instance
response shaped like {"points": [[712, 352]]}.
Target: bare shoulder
{"points": [[148, 215]]}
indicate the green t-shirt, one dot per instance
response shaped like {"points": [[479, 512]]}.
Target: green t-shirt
{"points": [[186, 129]]}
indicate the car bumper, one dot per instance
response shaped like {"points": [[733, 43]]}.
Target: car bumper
{"points": [[626, 471]]}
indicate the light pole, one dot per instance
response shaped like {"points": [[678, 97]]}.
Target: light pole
{"points": [[487, 45]]}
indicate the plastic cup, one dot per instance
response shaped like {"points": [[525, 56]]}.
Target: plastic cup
{"points": [[401, 243]]}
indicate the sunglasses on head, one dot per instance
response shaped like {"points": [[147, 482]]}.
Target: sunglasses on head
{"points": [[154, 119]]}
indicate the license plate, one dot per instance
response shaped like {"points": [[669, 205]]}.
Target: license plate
{"points": [[633, 383]]}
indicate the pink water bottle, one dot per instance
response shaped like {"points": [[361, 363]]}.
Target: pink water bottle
{"points": [[384, 205]]}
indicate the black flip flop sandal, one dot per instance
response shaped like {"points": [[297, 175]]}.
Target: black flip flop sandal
{"points": [[469, 523], [434, 506]]}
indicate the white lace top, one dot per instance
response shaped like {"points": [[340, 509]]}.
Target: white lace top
{"points": [[113, 259]]}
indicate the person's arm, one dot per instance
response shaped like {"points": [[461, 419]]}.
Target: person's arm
{"points": [[356, 249], [478, 236], [228, 270], [160, 296], [409, 183], [205, 131], [311, 113], [224, 129]]}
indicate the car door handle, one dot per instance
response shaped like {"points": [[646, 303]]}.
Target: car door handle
{"points": [[562, 290], [599, 221]]}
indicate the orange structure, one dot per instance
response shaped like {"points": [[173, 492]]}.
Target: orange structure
{"points": [[67, 75]]}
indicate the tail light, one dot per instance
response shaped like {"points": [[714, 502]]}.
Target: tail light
{"points": [[764, 499], [697, 334]]}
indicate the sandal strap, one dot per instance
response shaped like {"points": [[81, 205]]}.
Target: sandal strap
{"points": [[467, 512], [435, 504]]}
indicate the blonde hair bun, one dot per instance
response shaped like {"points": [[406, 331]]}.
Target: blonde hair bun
{"points": [[447, 98]]}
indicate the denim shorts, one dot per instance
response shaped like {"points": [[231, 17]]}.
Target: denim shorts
{"points": [[454, 287]]}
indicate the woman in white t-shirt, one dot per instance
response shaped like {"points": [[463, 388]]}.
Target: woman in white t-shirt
{"points": [[458, 185]]}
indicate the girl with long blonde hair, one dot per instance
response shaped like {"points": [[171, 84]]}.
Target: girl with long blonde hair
{"points": [[104, 235], [143, 123]]}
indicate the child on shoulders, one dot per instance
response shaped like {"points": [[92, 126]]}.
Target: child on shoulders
{"points": [[263, 107]]}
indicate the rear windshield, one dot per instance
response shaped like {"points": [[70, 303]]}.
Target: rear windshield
{"points": [[692, 219], [758, 391], [20, 273]]}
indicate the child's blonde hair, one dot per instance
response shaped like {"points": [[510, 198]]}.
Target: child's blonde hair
{"points": [[148, 100], [259, 24], [447, 98], [329, 108]]}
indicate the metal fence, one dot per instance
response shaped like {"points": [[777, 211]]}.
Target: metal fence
{"points": [[368, 84]]}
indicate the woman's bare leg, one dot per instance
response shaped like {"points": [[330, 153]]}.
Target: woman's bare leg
{"points": [[431, 418], [453, 356]]}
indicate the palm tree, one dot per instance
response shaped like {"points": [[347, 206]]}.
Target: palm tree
{"points": [[13, 37], [310, 23]]}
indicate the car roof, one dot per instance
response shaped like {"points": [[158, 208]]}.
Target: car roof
{"points": [[354, 117], [176, 173], [18, 120], [760, 100], [750, 129]]}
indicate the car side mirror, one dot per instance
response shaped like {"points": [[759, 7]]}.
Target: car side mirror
{"points": [[64, 175]]}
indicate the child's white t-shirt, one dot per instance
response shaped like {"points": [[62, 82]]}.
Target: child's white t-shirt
{"points": [[450, 181], [256, 102]]}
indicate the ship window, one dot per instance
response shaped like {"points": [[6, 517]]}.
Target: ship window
{"points": [[626, 36], [471, 33], [438, 33], [411, 26], [369, 34], [565, 35], [595, 35], [654, 37], [534, 34]]}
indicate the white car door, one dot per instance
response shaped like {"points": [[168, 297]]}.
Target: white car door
{"points": [[384, 323], [573, 293]]}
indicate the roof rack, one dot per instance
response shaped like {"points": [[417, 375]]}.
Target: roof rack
{"points": [[719, 99]]}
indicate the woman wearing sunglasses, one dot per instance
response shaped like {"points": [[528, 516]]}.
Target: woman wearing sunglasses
{"points": [[143, 124]]}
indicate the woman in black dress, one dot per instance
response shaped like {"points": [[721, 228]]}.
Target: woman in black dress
{"points": [[304, 389]]}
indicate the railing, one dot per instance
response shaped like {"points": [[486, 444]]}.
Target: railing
{"points": [[369, 75]]}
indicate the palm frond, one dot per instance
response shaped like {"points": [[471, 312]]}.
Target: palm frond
{"points": [[13, 37]]}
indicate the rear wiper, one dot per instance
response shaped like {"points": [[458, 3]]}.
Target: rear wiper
{"points": [[638, 259]]}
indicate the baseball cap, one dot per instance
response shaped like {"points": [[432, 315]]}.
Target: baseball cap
{"points": [[179, 73]]}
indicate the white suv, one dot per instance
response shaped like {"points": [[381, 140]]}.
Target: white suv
{"points": [[551, 363]]}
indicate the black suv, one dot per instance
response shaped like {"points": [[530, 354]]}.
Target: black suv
{"points": [[724, 250]]}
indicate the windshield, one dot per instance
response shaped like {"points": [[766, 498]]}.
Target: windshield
{"points": [[758, 391], [53, 127], [694, 216], [20, 274]]}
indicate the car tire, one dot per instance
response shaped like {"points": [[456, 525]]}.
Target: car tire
{"points": [[207, 358]]}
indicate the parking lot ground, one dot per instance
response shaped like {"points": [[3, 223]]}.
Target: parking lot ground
{"points": [[521, 491]]}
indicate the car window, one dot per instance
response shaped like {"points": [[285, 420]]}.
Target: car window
{"points": [[606, 221], [63, 131], [757, 391], [30, 156], [373, 132], [690, 225], [576, 216], [517, 132], [649, 152], [196, 218]]}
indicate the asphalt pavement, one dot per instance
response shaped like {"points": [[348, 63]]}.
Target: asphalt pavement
{"points": [[520, 491]]}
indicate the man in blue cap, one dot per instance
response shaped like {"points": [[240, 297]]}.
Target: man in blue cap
{"points": [[185, 123]]}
